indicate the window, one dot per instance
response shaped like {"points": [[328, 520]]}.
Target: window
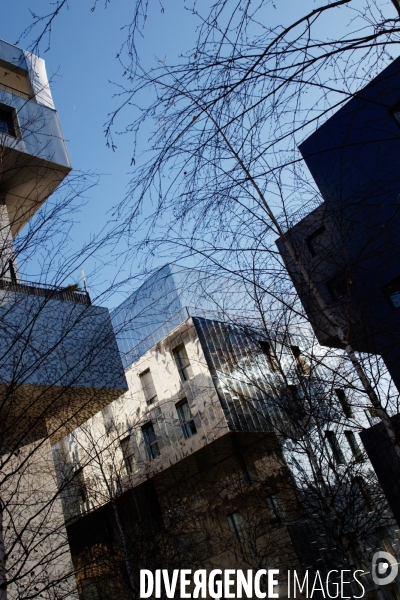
{"points": [[148, 388], [193, 546], [13, 275], [297, 406], [355, 448], [108, 419], [314, 241], [269, 356], [235, 523], [363, 490], [182, 362], [301, 364], [344, 401], [89, 589], [371, 415], [276, 506], [185, 418], [150, 441], [338, 287], [127, 447], [392, 291], [335, 447], [395, 111], [7, 122], [80, 486]]}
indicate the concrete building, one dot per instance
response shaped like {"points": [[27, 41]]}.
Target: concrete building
{"points": [[206, 461], [59, 361]]}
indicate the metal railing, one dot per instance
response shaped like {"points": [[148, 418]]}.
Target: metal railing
{"points": [[289, 221], [8, 88], [45, 291]]}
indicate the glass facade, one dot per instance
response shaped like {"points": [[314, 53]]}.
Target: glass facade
{"points": [[163, 302]]}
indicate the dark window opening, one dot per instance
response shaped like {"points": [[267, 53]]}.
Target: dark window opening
{"points": [[182, 362], [395, 112], [7, 122], [150, 441], [297, 407], [313, 241], [13, 275], [148, 388], [108, 419], [80, 486], [89, 589], [355, 448], [300, 361], [193, 546], [338, 287], [276, 506], [364, 492], [185, 419], [392, 292], [235, 523], [335, 447], [269, 355], [128, 453], [345, 404]]}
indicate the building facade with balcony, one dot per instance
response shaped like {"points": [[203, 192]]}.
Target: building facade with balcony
{"points": [[59, 360], [349, 244], [210, 459]]}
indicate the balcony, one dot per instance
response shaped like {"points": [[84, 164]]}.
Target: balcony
{"points": [[59, 361], [44, 291], [34, 157]]}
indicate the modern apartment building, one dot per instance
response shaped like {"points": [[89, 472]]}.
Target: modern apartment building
{"points": [[349, 244], [220, 455], [59, 361]]}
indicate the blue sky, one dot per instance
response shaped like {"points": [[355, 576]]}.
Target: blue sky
{"points": [[82, 62]]}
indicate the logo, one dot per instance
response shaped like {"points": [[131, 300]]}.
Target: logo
{"points": [[384, 568]]}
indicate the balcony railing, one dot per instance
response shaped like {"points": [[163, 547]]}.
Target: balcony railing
{"points": [[8, 88], [44, 291]]}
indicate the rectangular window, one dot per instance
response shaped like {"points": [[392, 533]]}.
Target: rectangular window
{"points": [[127, 447], [193, 546], [363, 490], [355, 448], [269, 356], [345, 404], [313, 241], [371, 415], [148, 388], [7, 122], [335, 447], [89, 589], [338, 286], [80, 486], [300, 361], [392, 291], [235, 523], [185, 418], [297, 405], [182, 362], [276, 506], [108, 419], [395, 111], [150, 441]]}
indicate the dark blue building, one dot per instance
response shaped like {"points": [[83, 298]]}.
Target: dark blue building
{"points": [[350, 244]]}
